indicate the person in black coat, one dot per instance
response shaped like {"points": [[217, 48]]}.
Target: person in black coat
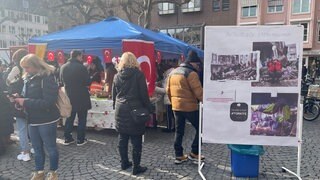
{"points": [[130, 91], [75, 77], [39, 98], [6, 120]]}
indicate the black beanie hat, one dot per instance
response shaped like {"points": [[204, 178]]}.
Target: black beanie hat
{"points": [[192, 57]]}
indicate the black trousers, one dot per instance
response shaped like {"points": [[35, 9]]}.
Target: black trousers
{"points": [[181, 117], [136, 142]]}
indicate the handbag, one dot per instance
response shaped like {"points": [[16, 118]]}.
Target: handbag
{"points": [[140, 115]]}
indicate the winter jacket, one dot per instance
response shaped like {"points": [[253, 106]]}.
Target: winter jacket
{"points": [[129, 91], [76, 80], [6, 120], [41, 93], [184, 88], [15, 85]]}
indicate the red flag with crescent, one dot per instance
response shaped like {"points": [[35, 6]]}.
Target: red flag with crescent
{"points": [[144, 51], [107, 55], [60, 57]]}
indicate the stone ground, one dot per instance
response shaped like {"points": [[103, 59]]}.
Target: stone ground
{"points": [[99, 158]]}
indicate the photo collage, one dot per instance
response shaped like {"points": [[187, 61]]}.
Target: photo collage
{"points": [[269, 65]]}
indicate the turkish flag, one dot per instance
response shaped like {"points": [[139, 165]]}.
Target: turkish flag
{"points": [[107, 55], [60, 57], [144, 51]]}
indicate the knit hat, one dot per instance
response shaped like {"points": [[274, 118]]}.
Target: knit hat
{"points": [[192, 57]]}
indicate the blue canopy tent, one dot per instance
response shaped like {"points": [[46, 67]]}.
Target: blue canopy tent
{"points": [[108, 34]]}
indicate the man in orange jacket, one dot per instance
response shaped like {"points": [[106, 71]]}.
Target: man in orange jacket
{"points": [[185, 91]]}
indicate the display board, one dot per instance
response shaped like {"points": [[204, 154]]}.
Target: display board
{"points": [[252, 85]]}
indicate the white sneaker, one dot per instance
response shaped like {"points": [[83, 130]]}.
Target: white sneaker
{"points": [[24, 157], [32, 151]]}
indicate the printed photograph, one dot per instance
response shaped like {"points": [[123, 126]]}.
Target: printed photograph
{"points": [[241, 67], [278, 65], [274, 116]]}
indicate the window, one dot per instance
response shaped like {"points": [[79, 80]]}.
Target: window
{"points": [[249, 8], [37, 19], [192, 6], [225, 5], [305, 29], [166, 8], [12, 43], [216, 5], [2, 14], [318, 31], [301, 6], [4, 44], [30, 18], [275, 6], [3, 29]]}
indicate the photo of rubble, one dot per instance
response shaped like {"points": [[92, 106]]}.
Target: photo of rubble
{"points": [[241, 67]]}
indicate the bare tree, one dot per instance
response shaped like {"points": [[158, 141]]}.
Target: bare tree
{"points": [[142, 9], [82, 11]]}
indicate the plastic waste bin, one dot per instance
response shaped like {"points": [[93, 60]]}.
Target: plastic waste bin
{"points": [[245, 160]]}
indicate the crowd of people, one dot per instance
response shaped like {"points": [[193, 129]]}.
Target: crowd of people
{"points": [[29, 92]]}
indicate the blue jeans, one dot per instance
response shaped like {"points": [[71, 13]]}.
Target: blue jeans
{"points": [[22, 127], [180, 118], [82, 124], [45, 136]]}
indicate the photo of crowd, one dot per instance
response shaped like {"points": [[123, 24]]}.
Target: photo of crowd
{"points": [[278, 64], [274, 116], [241, 67]]}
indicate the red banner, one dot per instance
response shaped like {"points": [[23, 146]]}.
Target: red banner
{"points": [[144, 51]]}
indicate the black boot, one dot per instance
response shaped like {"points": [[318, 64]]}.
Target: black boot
{"points": [[125, 163], [137, 169]]}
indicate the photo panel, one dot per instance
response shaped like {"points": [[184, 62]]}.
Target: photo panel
{"points": [[236, 67], [274, 116], [278, 64]]}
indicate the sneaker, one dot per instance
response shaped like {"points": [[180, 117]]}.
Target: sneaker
{"points": [[24, 157], [181, 159], [38, 175], [81, 143], [68, 142], [32, 151], [195, 157], [52, 175]]}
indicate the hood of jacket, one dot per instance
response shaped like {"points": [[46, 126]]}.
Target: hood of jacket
{"points": [[187, 65], [127, 73]]}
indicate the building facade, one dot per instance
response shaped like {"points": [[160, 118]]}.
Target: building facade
{"points": [[286, 12], [17, 27], [187, 22]]}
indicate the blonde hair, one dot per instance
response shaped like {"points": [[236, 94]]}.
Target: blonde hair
{"points": [[128, 60], [37, 63]]}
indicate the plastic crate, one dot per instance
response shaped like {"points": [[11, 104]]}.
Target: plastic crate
{"points": [[244, 165]]}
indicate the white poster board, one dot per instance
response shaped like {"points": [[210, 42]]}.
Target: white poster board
{"points": [[252, 85]]}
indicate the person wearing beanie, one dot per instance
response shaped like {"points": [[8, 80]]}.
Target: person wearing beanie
{"points": [[185, 91]]}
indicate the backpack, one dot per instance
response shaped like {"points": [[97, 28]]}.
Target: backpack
{"points": [[63, 104]]}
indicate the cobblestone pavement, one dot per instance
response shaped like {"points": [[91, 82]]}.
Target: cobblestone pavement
{"points": [[99, 158]]}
